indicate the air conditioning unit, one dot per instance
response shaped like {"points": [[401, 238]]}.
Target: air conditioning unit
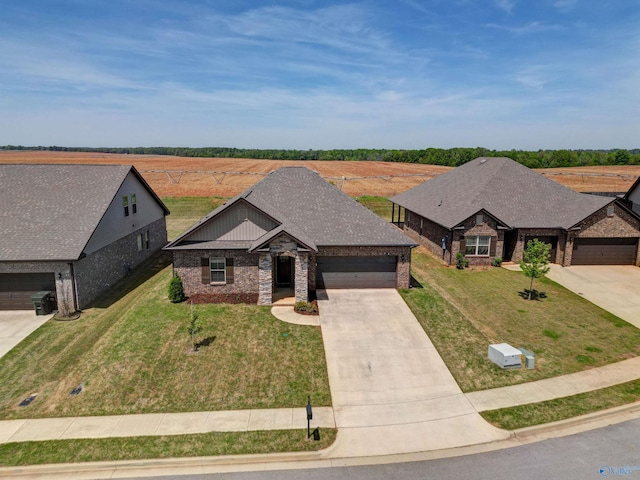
{"points": [[505, 356]]}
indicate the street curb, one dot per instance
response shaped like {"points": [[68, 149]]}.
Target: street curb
{"points": [[576, 422], [317, 459]]}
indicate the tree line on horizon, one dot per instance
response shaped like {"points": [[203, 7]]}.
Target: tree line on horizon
{"points": [[451, 157]]}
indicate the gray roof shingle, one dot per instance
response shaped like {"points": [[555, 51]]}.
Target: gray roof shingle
{"points": [[314, 211], [49, 212], [513, 193]]}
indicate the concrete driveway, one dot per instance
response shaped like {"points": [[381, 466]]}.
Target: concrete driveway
{"points": [[616, 288], [391, 391], [16, 325]]}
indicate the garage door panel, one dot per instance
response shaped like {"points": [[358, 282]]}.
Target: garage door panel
{"points": [[604, 251], [356, 272], [16, 289]]}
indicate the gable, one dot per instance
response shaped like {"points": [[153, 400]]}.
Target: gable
{"points": [[620, 224], [115, 225], [633, 196], [240, 221]]}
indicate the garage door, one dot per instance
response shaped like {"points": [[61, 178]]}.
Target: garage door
{"points": [[604, 251], [16, 289], [356, 272]]}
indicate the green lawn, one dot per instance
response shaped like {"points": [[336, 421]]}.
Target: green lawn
{"points": [[185, 211], [379, 205], [134, 357], [139, 448], [563, 408], [465, 311]]}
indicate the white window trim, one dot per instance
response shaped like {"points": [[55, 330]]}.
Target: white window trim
{"points": [[477, 245], [224, 270]]}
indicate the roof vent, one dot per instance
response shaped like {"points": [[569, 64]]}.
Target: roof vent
{"points": [[483, 160], [272, 171]]}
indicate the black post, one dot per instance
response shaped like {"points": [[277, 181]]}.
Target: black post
{"points": [[309, 416]]}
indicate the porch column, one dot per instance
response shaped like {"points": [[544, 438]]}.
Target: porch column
{"points": [[302, 277], [265, 279]]}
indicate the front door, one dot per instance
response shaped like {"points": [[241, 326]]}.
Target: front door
{"points": [[284, 272]]}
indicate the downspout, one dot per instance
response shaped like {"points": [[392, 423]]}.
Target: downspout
{"points": [[74, 293]]}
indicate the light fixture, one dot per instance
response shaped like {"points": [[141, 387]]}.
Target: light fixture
{"points": [[59, 275]]}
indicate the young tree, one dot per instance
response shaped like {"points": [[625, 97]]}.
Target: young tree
{"points": [[195, 326], [536, 261]]}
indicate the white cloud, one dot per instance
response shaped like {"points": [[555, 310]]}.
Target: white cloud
{"points": [[506, 5], [565, 5]]}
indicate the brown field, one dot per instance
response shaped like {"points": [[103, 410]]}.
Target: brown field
{"points": [[203, 177]]}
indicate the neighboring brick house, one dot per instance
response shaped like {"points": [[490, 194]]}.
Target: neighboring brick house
{"points": [[74, 230], [632, 197], [293, 231], [491, 207]]}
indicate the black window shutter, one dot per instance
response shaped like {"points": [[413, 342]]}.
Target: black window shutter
{"points": [[206, 270], [462, 245], [492, 248], [229, 271]]}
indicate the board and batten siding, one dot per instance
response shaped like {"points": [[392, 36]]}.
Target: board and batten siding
{"points": [[239, 222], [114, 225]]}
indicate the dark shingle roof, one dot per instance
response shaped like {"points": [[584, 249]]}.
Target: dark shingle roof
{"points": [[513, 193], [49, 212], [314, 211]]}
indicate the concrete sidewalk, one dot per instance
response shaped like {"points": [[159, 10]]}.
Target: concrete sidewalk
{"points": [[556, 387], [162, 424], [409, 419]]}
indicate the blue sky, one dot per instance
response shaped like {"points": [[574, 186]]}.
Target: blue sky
{"points": [[525, 74]]}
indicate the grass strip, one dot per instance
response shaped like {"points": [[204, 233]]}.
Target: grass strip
{"points": [[562, 408], [464, 311], [173, 446]]}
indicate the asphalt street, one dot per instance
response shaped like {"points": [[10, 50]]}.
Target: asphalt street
{"points": [[610, 452]]}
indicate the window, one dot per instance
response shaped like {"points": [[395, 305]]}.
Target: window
{"points": [[218, 270], [477, 245], [125, 204], [139, 239], [610, 211], [479, 219], [146, 239], [134, 207]]}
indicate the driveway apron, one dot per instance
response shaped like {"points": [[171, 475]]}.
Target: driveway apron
{"points": [[391, 391], [16, 325], [616, 288]]}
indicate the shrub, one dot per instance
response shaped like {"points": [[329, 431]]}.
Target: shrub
{"points": [[306, 307], [176, 290], [496, 262], [461, 262]]}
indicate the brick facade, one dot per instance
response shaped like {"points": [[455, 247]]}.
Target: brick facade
{"points": [[78, 283], [600, 225], [100, 270], [524, 234], [431, 235], [187, 264]]}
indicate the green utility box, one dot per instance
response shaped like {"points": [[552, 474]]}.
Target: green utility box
{"points": [[42, 302]]}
